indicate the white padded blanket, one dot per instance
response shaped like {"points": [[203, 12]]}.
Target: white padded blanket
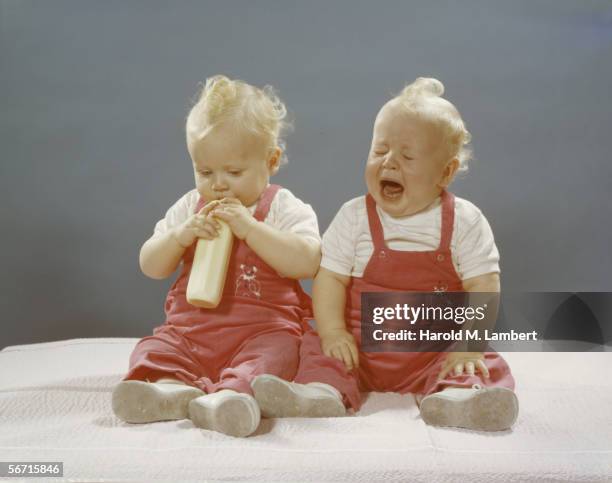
{"points": [[55, 406]]}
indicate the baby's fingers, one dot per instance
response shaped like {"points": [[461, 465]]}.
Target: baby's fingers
{"points": [[211, 220], [207, 222], [354, 354], [483, 368], [206, 209], [444, 372], [223, 214], [346, 356], [198, 221], [206, 231], [336, 354]]}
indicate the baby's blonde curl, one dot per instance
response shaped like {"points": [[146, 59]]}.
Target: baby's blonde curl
{"points": [[424, 97], [251, 109]]}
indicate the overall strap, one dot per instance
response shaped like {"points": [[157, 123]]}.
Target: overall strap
{"points": [[448, 219], [263, 206], [376, 229], [200, 205]]}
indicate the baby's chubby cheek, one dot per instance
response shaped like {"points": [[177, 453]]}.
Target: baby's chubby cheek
{"points": [[371, 178]]}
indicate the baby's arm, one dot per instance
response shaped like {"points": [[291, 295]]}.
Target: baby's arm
{"points": [[161, 254], [472, 361], [290, 254], [329, 298], [489, 282]]}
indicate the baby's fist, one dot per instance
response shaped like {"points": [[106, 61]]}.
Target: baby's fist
{"points": [[198, 225]]}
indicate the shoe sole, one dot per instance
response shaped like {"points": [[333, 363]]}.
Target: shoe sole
{"points": [[233, 417], [278, 398], [143, 402], [493, 409]]}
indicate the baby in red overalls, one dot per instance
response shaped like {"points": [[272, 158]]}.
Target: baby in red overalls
{"points": [[200, 362], [407, 234]]}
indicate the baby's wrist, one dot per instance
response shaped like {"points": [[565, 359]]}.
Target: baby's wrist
{"points": [[331, 331], [174, 234], [251, 228]]}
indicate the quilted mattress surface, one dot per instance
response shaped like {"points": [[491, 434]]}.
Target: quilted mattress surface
{"points": [[55, 405]]}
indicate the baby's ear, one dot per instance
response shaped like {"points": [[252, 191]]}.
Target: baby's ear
{"points": [[449, 173], [274, 160]]}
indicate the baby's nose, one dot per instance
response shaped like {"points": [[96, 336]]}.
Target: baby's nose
{"points": [[219, 184], [389, 162]]}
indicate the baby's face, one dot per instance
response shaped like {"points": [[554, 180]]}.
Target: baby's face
{"points": [[231, 164], [406, 168]]}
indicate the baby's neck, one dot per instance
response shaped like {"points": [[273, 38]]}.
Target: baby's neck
{"points": [[428, 207]]}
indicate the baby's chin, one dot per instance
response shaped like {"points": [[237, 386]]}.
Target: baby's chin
{"points": [[397, 207], [390, 197], [394, 206]]}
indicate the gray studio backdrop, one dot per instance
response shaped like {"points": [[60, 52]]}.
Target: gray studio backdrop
{"points": [[94, 96]]}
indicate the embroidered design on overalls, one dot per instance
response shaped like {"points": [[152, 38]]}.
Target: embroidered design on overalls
{"points": [[247, 284], [440, 289]]}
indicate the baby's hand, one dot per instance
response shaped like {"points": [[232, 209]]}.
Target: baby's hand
{"points": [[198, 225], [458, 361], [236, 215], [340, 344]]}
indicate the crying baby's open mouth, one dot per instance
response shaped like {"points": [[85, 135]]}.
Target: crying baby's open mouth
{"points": [[391, 189]]}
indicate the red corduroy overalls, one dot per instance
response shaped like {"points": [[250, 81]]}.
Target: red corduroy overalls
{"points": [[256, 328], [404, 372]]}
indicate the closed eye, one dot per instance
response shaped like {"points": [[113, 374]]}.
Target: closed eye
{"points": [[380, 148], [235, 173]]}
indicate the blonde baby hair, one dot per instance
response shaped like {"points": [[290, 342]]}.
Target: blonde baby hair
{"points": [[424, 98], [255, 110]]}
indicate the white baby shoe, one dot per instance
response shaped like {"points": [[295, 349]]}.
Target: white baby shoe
{"points": [[278, 398], [147, 402], [477, 408], [226, 411]]}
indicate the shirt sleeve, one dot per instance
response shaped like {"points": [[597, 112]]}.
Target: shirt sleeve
{"points": [[338, 249], [477, 253], [295, 216], [177, 213]]}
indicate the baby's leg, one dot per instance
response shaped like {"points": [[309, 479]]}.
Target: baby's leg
{"points": [[165, 355], [231, 408], [321, 384], [159, 384], [317, 367], [268, 353], [471, 401]]}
